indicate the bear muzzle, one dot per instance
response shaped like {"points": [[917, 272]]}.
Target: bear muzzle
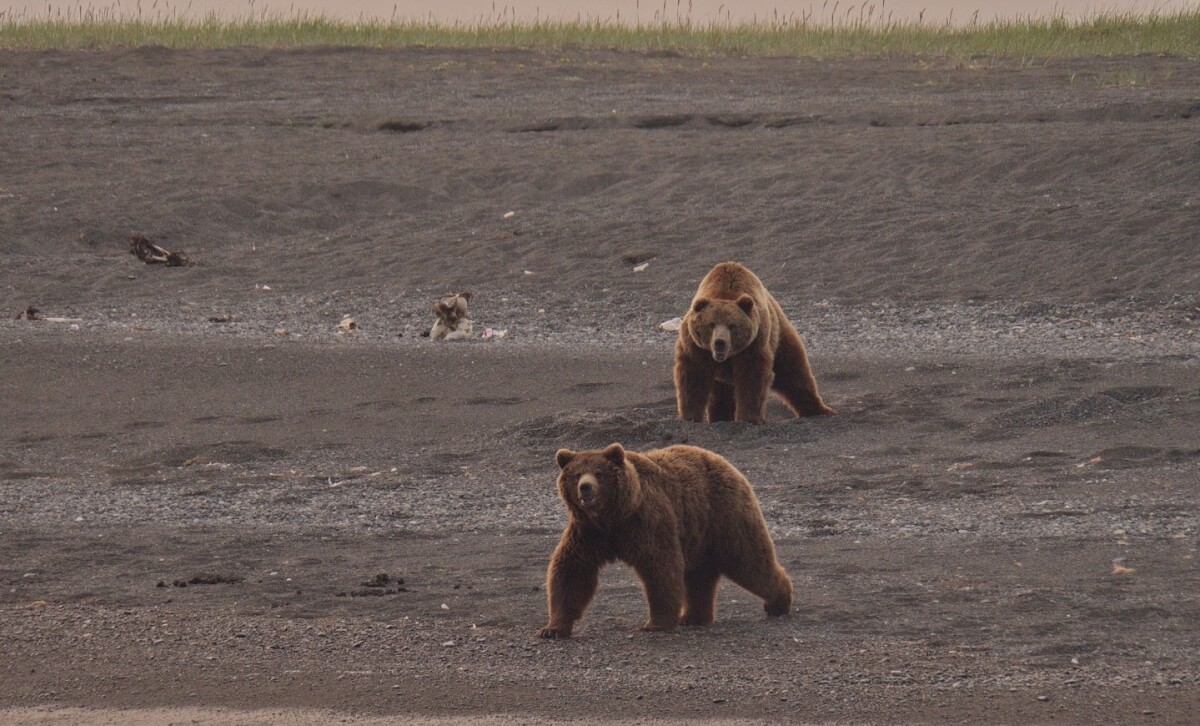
{"points": [[589, 490], [720, 350], [721, 343]]}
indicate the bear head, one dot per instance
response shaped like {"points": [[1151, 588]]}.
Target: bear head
{"points": [[601, 486], [722, 327]]}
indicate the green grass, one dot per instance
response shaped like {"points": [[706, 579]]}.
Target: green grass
{"points": [[866, 33]]}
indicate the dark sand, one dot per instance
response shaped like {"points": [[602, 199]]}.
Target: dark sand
{"points": [[995, 266]]}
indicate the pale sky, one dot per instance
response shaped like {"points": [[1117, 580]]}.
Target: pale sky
{"points": [[628, 10]]}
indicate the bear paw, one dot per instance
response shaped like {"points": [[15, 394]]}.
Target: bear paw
{"points": [[658, 627], [554, 633], [776, 608]]}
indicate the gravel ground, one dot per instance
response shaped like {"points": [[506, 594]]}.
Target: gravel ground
{"points": [[993, 265]]}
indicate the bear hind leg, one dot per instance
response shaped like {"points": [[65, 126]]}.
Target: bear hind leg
{"points": [[701, 585], [803, 401], [794, 381], [767, 580]]}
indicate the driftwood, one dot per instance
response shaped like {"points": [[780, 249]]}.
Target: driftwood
{"points": [[152, 254], [452, 321], [32, 313]]}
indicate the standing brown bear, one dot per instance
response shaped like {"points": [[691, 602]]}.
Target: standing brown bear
{"points": [[734, 346], [680, 516]]}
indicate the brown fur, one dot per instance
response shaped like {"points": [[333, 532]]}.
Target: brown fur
{"points": [[762, 352], [681, 517]]}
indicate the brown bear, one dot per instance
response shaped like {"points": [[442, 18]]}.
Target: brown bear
{"points": [[735, 345], [681, 517]]}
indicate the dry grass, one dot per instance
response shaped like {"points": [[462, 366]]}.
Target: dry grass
{"points": [[837, 30]]}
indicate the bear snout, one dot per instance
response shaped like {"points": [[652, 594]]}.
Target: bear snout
{"points": [[720, 343], [589, 490]]}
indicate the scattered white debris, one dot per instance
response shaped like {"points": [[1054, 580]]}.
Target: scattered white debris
{"points": [[671, 326], [445, 606], [528, 272], [281, 331], [641, 267], [348, 323], [262, 287], [494, 333], [509, 215]]}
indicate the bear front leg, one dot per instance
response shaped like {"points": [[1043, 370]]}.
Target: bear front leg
{"points": [[701, 586], [721, 404], [571, 582], [752, 378], [659, 565], [693, 385]]}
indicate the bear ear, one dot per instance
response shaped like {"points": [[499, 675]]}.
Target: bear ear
{"points": [[564, 457], [699, 304], [465, 295], [746, 303], [615, 453]]}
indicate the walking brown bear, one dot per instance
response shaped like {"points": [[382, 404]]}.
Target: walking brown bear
{"points": [[681, 517]]}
